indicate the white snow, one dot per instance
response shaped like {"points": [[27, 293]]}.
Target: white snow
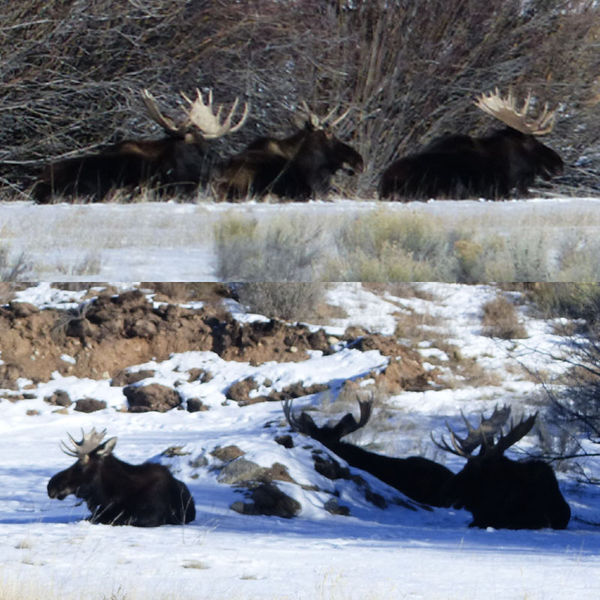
{"points": [[371, 554]]}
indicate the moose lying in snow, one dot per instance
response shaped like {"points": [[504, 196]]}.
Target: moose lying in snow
{"points": [[500, 492], [118, 493], [460, 166], [416, 477]]}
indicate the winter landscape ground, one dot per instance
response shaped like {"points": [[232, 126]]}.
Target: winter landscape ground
{"points": [[153, 241], [48, 550]]}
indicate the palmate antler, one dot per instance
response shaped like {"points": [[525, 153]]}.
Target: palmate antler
{"points": [[199, 115], [204, 118], [89, 442], [506, 110]]}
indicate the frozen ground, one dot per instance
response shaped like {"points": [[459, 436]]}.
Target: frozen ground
{"points": [[371, 554], [174, 242]]}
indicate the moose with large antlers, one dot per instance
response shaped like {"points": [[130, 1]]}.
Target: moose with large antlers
{"points": [[495, 166], [182, 160], [497, 491], [418, 478], [298, 167], [118, 493]]}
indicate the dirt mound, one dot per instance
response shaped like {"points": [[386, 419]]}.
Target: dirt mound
{"points": [[109, 333]]}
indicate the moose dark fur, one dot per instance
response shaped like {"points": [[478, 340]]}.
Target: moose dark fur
{"points": [[460, 166], [181, 161], [299, 167], [118, 493], [418, 478], [500, 492], [166, 164]]}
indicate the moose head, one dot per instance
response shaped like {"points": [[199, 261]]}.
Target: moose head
{"points": [[298, 167], [497, 491]]}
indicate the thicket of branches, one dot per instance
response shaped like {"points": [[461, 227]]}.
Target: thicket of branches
{"points": [[575, 408], [71, 70]]}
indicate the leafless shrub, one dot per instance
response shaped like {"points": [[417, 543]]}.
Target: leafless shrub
{"points": [[13, 269], [500, 319], [72, 71], [278, 251], [291, 301], [571, 300]]}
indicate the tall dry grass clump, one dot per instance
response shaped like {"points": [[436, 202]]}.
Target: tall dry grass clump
{"points": [[500, 319]]}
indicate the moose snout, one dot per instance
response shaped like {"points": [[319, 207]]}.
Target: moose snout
{"points": [[55, 491]]}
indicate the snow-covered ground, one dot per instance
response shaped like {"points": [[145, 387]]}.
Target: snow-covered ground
{"points": [[371, 554], [174, 242]]}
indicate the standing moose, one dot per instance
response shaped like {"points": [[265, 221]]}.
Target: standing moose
{"points": [[500, 492], [460, 166], [299, 167], [418, 478], [180, 161], [118, 493]]}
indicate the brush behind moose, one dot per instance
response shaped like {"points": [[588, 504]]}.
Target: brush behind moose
{"points": [[118, 493]]}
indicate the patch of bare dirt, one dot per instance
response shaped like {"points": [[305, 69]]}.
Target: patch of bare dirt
{"points": [[112, 332]]}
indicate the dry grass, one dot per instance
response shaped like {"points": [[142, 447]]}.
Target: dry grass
{"points": [[416, 326], [291, 301], [500, 319]]}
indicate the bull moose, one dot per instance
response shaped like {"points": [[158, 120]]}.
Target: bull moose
{"points": [[298, 167], [418, 478], [460, 166], [118, 493], [182, 160], [497, 491]]}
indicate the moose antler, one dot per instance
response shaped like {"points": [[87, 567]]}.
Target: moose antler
{"points": [[506, 110], [204, 118], [89, 442], [515, 433], [154, 112], [482, 436], [198, 114], [347, 424], [328, 120]]}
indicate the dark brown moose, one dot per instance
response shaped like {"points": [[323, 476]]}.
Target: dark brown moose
{"points": [[495, 166], [299, 167], [118, 493], [416, 477], [500, 492], [180, 161]]}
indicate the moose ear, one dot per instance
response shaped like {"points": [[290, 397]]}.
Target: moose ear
{"points": [[106, 448]]}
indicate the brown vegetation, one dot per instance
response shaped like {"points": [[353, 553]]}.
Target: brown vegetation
{"points": [[500, 319], [72, 71]]}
